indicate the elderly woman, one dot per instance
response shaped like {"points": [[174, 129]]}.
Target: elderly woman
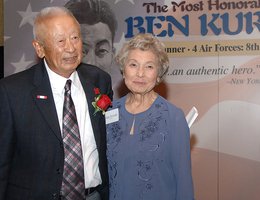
{"points": [[148, 137]]}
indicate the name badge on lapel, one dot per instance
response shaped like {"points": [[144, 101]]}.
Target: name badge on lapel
{"points": [[112, 116]]}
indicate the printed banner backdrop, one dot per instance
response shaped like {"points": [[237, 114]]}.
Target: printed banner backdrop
{"points": [[214, 50]]}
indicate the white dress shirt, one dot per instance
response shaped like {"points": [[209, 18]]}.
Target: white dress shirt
{"points": [[92, 175]]}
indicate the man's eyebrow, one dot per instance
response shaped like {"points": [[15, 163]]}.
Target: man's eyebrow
{"points": [[104, 41], [100, 42]]}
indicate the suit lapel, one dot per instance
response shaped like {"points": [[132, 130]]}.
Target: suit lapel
{"points": [[43, 97]]}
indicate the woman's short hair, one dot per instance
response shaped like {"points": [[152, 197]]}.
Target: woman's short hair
{"points": [[145, 42]]}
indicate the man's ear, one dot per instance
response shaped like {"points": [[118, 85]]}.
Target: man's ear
{"points": [[38, 48]]}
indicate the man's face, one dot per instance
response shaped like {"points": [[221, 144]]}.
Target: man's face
{"points": [[97, 45], [61, 44]]}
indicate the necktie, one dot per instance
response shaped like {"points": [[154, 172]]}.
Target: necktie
{"points": [[73, 187]]}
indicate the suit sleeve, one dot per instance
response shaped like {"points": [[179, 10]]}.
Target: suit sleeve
{"points": [[6, 140]]}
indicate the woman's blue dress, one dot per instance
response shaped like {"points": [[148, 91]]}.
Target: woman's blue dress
{"points": [[154, 162]]}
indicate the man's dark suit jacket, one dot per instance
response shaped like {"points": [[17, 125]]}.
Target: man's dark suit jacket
{"points": [[31, 147]]}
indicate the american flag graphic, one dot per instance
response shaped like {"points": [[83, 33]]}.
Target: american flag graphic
{"points": [[18, 21]]}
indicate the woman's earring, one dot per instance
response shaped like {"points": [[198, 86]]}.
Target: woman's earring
{"points": [[158, 80]]}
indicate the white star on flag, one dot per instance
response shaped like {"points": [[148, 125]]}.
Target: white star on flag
{"points": [[6, 38], [27, 16], [21, 64], [131, 1]]}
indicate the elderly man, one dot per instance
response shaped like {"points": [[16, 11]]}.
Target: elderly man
{"points": [[53, 146]]}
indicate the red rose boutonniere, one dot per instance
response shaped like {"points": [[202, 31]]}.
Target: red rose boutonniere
{"points": [[102, 102]]}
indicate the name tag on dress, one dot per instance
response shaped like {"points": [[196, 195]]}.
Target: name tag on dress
{"points": [[112, 116]]}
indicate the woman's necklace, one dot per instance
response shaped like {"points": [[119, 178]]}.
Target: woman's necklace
{"points": [[132, 130], [133, 127]]}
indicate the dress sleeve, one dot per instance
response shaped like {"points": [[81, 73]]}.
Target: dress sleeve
{"points": [[181, 157]]}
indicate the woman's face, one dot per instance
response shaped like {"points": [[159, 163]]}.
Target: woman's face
{"points": [[141, 71]]}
